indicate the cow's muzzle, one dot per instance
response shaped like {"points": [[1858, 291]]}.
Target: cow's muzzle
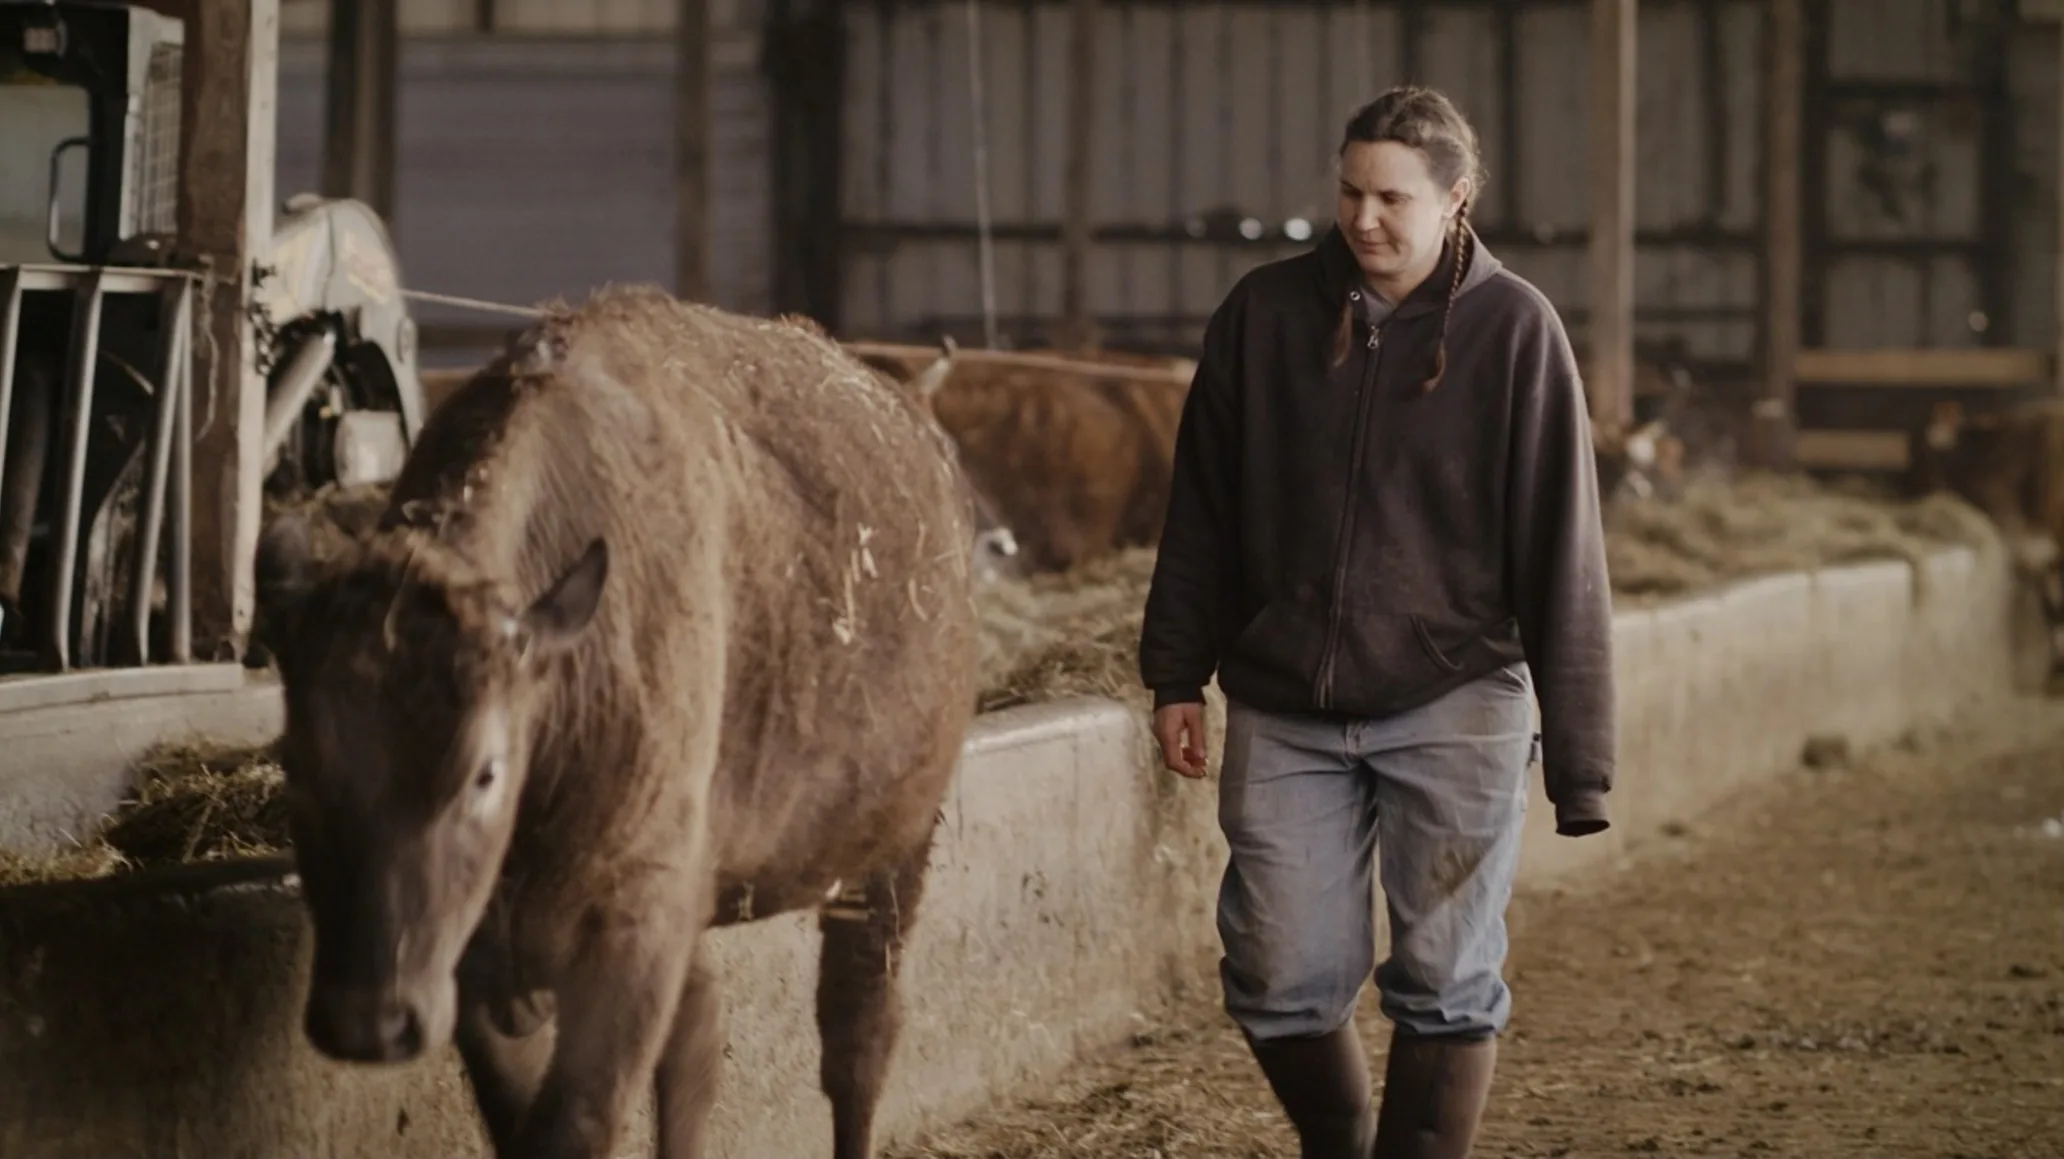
{"points": [[364, 1026]]}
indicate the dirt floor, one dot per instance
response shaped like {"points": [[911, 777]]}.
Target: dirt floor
{"points": [[1858, 960]]}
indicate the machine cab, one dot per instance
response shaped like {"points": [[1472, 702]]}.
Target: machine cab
{"points": [[89, 132]]}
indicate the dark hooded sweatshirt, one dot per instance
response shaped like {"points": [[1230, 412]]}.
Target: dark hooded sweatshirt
{"points": [[1339, 542]]}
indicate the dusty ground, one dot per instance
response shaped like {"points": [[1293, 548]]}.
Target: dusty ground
{"points": [[1864, 960]]}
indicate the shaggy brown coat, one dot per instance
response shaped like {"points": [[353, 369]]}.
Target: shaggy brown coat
{"points": [[668, 624]]}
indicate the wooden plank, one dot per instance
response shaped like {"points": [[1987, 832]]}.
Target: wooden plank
{"points": [[1611, 325], [1776, 412], [225, 214], [692, 150], [1076, 222], [1850, 450], [1926, 367]]}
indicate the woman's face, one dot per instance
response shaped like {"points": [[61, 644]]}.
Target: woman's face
{"points": [[1393, 212]]}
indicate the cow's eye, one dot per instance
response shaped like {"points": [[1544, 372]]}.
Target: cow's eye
{"points": [[489, 773]]}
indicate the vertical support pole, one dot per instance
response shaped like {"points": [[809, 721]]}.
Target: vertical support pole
{"points": [[225, 219], [76, 427], [176, 304], [361, 93], [1612, 214], [1076, 224], [691, 149], [483, 16], [2058, 309], [1784, 47]]}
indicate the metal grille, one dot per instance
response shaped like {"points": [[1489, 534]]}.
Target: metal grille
{"points": [[157, 168]]}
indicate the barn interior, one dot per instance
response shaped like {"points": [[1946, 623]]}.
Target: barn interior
{"points": [[1809, 254]]}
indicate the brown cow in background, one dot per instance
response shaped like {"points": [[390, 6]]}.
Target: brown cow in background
{"points": [[1077, 464], [2010, 465]]}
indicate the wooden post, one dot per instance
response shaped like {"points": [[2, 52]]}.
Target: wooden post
{"points": [[1612, 214], [225, 219], [1784, 46], [359, 103], [691, 150], [1077, 332]]}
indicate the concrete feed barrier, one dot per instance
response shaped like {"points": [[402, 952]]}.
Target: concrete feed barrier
{"points": [[1070, 903]]}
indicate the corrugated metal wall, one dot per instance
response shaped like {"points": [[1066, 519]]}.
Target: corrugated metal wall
{"points": [[531, 168], [1237, 106]]}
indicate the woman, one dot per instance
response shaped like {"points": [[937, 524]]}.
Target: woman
{"points": [[1383, 535]]}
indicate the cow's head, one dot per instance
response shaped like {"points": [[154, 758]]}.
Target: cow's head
{"points": [[410, 689]]}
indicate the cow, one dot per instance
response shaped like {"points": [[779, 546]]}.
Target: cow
{"points": [[667, 625], [1076, 463], [2010, 465]]}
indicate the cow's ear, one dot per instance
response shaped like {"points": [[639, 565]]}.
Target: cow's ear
{"points": [[556, 619], [283, 572]]}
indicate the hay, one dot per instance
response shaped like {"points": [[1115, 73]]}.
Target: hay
{"points": [[192, 802], [1052, 637], [1763, 524], [1073, 634]]}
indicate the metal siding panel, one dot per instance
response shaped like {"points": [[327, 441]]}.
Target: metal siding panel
{"points": [[530, 170], [1742, 78], [1004, 81], [1891, 40], [297, 155], [1251, 147], [1362, 64], [1459, 56], [1553, 103], [1670, 124], [1049, 110], [859, 141], [910, 100], [1873, 302], [1133, 178], [2034, 76], [1201, 186], [1307, 133], [1951, 303], [953, 149], [741, 178]]}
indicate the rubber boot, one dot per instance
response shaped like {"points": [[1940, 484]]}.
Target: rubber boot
{"points": [[1434, 1090], [1323, 1084]]}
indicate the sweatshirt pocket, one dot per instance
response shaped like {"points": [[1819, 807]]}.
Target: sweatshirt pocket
{"points": [[1284, 639], [1389, 659]]}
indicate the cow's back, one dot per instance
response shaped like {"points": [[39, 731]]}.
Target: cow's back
{"points": [[789, 569]]}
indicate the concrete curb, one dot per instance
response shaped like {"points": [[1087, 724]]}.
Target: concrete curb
{"points": [[1070, 903]]}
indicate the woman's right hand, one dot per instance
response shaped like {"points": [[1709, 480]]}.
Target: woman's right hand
{"points": [[1180, 729]]}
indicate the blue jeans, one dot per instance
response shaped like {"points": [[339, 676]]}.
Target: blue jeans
{"points": [[1434, 800]]}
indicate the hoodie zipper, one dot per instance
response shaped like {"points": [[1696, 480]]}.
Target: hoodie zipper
{"points": [[1347, 514]]}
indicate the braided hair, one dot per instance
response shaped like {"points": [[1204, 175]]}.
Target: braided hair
{"points": [[1423, 119]]}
